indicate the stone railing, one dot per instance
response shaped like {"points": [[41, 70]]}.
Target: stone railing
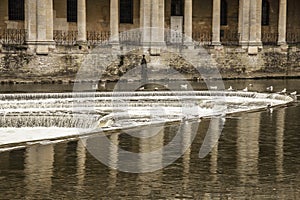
{"points": [[12, 36]]}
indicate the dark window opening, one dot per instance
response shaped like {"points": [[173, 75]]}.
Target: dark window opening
{"points": [[223, 12], [16, 10], [126, 11], [177, 8], [265, 13], [72, 11]]}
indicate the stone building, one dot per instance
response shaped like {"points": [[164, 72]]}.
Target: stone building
{"points": [[246, 38], [43, 24]]}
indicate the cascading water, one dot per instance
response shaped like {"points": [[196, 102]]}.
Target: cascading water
{"points": [[108, 110]]}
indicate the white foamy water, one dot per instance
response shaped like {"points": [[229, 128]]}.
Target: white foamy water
{"points": [[18, 135], [37, 117]]}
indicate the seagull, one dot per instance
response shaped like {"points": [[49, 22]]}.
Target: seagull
{"points": [[294, 93], [230, 88], [156, 88], [245, 89], [95, 86], [250, 85], [103, 85], [270, 88], [213, 87], [184, 86], [283, 91], [142, 88]]}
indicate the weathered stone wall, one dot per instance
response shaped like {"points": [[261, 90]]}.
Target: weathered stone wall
{"points": [[233, 62]]}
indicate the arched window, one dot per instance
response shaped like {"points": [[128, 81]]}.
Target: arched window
{"points": [[177, 7], [223, 12], [72, 11], [265, 13], [126, 11], [16, 10]]}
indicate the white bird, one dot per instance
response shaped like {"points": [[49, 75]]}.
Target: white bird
{"points": [[230, 88], [213, 87], [184, 86], [103, 85], [250, 85], [156, 88], [95, 86], [245, 89], [270, 88], [142, 88], [283, 91], [294, 93]]}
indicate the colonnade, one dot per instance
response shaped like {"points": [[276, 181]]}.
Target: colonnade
{"points": [[39, 23]]}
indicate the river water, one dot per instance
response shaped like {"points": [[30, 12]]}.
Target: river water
{"points": [[256, 157]]}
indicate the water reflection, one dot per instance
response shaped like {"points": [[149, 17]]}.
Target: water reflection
{"points": [[38, 169], [81, 158], [248, 147], [256, 157], [280, 118]]}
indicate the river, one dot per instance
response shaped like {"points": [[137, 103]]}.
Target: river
{"points": [[256, 157]]}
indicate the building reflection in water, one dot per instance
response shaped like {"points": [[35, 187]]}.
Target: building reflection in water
{"points": [[39, 169], [81, 159], [186, 142], [248, 150], [255, 144], [279, 152], [280, 119], [150, 156], [113, 160]]}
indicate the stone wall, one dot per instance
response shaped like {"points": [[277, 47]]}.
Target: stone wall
{"points": [[233, 62]]}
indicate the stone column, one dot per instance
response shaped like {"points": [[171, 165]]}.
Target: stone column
{"points": [[253, 28], [81, 21], [244, 18], [161, 21], [216, 20], [253, 23], [145, 21], [30, 23], [114, 22], [42, 47], [188, 22], [258, 22], [240, 25], [154, 22], [282, 22], [49, 16], [157, 21]]}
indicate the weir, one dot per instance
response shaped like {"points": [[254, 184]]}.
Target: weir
{"points": [[95, 109]]}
